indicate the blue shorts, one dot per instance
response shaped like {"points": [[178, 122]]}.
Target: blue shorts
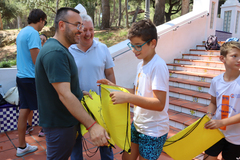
{"points": [[229, 150], [149, 147], [27, 93]]}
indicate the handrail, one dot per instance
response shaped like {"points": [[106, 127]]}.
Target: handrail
{"points": [[171, 29], [187, 22], [120, 54]]}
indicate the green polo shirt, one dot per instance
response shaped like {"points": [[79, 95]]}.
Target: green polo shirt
{"points": [[55, 64]]}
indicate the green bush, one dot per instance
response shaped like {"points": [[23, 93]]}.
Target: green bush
{"points": [[5, 64]]}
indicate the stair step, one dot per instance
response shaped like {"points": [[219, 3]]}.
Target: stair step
{"points": [[188, 107], [201, 57], [191, 75], [219, 42], [216, 64], [205, 52], [198, 69], [190, 95], [189, 84], [180, 120], [173, 131], [200, 46]]}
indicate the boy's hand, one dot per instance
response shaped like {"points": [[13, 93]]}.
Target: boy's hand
{"points": [[213, 124], [106, 81], [98, 135], [119, 97], [87, 93]]}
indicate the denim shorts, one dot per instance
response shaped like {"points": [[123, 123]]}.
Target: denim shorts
{"points": [[27, 93], [149, 147]]}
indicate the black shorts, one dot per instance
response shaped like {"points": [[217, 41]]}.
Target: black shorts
{"points": [[229, 151], [27, 93]]}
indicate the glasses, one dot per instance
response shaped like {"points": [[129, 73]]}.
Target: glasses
{"points": [[79, 25], [45, 23], [137, 47]]}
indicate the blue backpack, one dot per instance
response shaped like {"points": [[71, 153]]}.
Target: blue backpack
{"points": [[232, 39]]}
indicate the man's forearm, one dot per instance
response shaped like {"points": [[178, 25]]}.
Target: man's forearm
{"points": [[75, 107]]}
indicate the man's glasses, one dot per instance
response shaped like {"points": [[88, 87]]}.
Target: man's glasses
{"points": [[45, 22], [137, 47], [79, 25]]}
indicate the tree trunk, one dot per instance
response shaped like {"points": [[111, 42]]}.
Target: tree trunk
{"points": [[1, 24], [147, 9], [57, 4], [113, 13], [159, 14], [105, 14], [168, 17], [135, 14], [19, 22], [99, 18], [126, 8], [119, 12], [185, 6]]}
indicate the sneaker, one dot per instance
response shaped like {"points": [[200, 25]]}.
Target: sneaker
{"points": [[28, 149], [29, 129], [41, 133]]}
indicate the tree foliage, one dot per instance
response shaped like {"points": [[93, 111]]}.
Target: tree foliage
{"points": [[105, 13], [7, 10]]}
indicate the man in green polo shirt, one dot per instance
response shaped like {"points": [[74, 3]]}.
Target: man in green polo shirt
{"points": [[58, 90]]}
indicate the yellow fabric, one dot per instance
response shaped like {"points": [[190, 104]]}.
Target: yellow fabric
{"points": [[114, 118], [95, 107], [192, 141], [117, 118]]}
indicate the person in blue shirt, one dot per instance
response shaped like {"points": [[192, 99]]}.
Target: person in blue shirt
{"points": [[28, 45]]}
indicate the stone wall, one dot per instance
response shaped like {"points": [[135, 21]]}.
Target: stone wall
{"points": [[8, 37]]}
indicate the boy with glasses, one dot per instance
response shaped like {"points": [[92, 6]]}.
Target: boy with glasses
{"points": [[150, 95]]}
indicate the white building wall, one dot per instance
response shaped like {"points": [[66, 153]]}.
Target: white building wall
{"points": [[219, 25], [234, 6]]}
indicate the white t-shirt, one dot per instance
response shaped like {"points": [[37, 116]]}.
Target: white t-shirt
{"points": [[231, 93], [91, 64], [153, 76]]}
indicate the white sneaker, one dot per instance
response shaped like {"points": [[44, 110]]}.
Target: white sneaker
{"points": [[28, 149]]}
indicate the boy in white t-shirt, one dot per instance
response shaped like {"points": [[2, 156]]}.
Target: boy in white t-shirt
{"points": [[224, 108], [151, 99]]}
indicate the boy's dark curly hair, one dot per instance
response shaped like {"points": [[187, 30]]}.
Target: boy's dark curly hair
{"points": [[144, 29]]}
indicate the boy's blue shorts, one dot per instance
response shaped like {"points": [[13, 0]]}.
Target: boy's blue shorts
{"points": [[149, 147]]}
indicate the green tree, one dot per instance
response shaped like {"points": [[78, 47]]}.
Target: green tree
{"points": [[7, 12]]}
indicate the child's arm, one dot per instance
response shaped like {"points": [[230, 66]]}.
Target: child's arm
{"points": [[212, 107], [156, 103], [214, 124]]}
